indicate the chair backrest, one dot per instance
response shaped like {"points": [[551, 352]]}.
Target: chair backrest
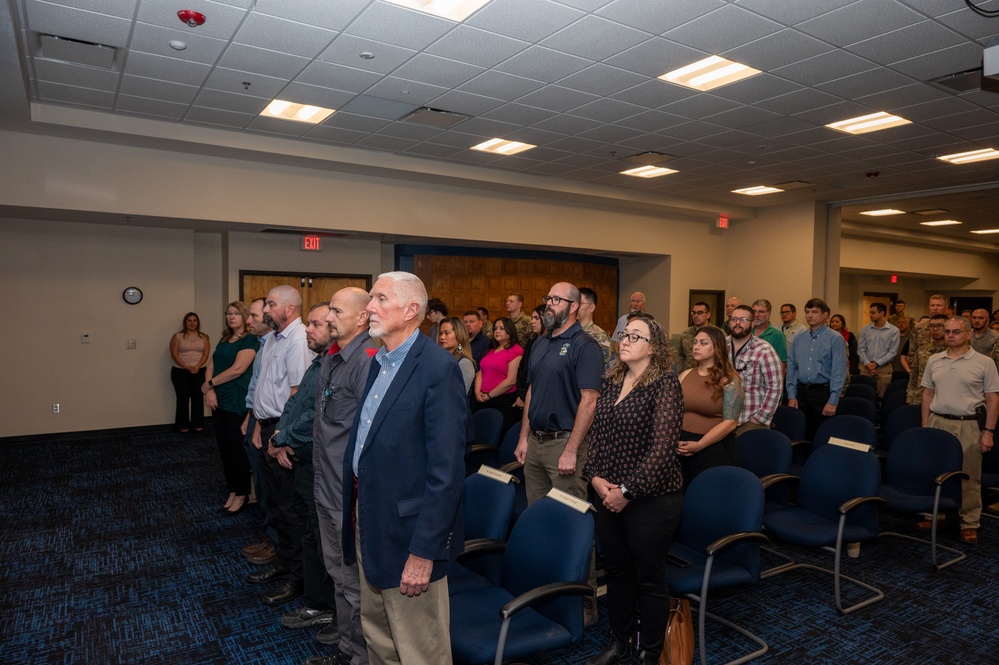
{"points": [[789, 421], [764, 451], [488, 425], [550, 542], [862, 391], [488, 506], [849, 427], [509, 445], [719, 502], [861, 379], [896, 385], [832, 476], [918, 456], [858, 406], [891, 402], [903, 418]]}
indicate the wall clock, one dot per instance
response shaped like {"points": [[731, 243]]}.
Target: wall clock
{"points": [[132, 295]]}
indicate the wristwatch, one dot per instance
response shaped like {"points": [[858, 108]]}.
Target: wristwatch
{"points": [[990, 429], [626, 493]]}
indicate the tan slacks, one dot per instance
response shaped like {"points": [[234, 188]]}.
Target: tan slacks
{"points": [[969, 435]]}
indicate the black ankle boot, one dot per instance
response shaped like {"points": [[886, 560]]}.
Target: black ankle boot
{"points": [[618, 653]]}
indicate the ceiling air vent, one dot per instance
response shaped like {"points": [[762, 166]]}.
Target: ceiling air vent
{"points": [[76, 52], [434, 117], [969, 80], [647, 158]]}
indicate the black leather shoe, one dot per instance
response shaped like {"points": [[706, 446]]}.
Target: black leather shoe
{"points": [[618, 653], [269, 574], [283, 593]]}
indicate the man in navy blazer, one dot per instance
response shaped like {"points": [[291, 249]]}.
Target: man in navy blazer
{"points": [[406, 453]]}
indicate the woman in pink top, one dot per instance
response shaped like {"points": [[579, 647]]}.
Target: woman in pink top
{"points": [[189, 349], [496, 380]]}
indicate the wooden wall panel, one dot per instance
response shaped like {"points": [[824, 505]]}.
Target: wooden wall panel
{"points": [[467, 282]]}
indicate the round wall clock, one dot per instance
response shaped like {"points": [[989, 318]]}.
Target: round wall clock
{"points": [[132, 295]]}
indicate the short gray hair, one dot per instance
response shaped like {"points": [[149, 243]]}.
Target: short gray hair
{"points": [[407, 288]]}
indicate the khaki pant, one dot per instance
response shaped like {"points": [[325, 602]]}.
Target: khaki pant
{"points": [[969, 435], [747, 426], [883, 375]]}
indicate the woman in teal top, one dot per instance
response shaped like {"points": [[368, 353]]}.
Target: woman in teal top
{"points": [[228, 379]]}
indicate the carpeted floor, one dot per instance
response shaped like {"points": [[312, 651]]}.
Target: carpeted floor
{"points": [[114, 551]]}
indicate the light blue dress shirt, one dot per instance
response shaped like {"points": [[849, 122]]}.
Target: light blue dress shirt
{"points": [[257, 360], [817, 357], [878, 345]]}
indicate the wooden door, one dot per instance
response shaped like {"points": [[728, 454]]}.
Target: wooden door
{"points": [[313, 288], [321, 289]]}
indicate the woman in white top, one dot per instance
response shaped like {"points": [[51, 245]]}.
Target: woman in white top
{"points": [[189, 349]]}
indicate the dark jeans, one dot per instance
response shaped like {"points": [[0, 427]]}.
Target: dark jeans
{"points": [[279, 486], [318, 584], [253, 456], [811, 400], [190, 401], [720, 453], [234, 462], [635, 543]]}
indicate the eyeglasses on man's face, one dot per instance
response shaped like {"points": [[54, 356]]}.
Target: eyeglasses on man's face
{"points": [[740, 319], [632, 337], [954, 331], [555, 300]]}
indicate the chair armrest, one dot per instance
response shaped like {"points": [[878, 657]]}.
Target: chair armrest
{"points": [[478, 448], [546, 592], [800, 442], [944, 477], [859, 501], [510, 467], [483, 546], [775, 478], [732, 539]]}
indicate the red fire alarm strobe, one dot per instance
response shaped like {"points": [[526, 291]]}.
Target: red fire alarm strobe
{"points": [[191, 17], [722, 222]]}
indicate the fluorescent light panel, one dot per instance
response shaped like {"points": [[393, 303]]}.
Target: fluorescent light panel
{"points": [[648, 171], [503, 147], [454, 10], [882, 213], [868, 123], [709, 73], [757, 191], [942, 222], [973, 156], [982, 232], [285, 110]]}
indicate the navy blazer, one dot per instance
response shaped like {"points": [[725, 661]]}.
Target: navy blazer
{"points": [[411, 471]]}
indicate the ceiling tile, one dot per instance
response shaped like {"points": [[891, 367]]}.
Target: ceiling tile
{"points": [[723, 29], [465, 102], [235, 81], [409, 130], [387, 143], [149, 107], [354, 122], [657, 16], [302, 93], [119, 8], [56, 71], [68, 94], [262, 61], [825, 67], [651, 121], [777, 50], [378, 108], [940, 63], [228, 102], [78, 24], [655, 57], [155, 89], [901, 44], [898, 98], [959, 121], [346, 50], [611, 134], [437, 71], [428, 149], [406, 92], [543, 64], [742, 117], [218, 116], [500, 85], [337, 76], [595, 38], [700, 106], [156, 39], [968, 23], [791, 13], [222, 20], [397, 25], [759, 88], [320, 13], [478, 47], [600, 79], [690, 131], [506, 17], [337, 135], [606, 110], [780, 126], [519, 114], [277, 34], [866, 83], [265, 125], [475, 127], [538, 137], [653, 94], [567, 124], [168, 69], [555, 98], [859, 21]]}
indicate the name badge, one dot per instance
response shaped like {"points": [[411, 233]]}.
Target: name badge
{"points": [[571, 501], [495, 474], [852, 445]]}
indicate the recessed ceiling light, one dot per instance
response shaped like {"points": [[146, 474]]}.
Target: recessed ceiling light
{"points": [[942, 222], [709, 73], [868, 123], [455, 10], [756, 191], [982, 232], [503, 147], [297, 112], [973, 156], [882, 213], [648, 171]]}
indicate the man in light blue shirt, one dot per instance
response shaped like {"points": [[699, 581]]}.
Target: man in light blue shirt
{"points": [[878, 346], [816, 368]]}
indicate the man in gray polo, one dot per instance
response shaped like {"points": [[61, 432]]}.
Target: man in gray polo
{"points": [[956, 383]]}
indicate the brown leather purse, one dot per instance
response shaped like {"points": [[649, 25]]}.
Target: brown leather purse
{"points": [[678, 647]]}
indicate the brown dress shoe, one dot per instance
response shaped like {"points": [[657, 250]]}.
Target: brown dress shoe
{"points": [[250, 550], [264, 556], [969, 536], [927, 524]]}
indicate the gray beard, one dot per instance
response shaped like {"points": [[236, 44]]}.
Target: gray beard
{"points": [[554, 321]]}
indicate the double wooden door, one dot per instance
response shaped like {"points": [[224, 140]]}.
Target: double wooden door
{"points": [[315, 288]]}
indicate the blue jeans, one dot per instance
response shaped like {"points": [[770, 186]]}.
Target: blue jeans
{"points": [[258, 486]]}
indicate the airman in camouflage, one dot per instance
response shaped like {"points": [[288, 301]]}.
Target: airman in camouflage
{"points": [[700, 314], [588, 305], [918, 358]]}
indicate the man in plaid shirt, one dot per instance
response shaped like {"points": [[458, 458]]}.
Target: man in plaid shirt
{"points": [[758, 364]]}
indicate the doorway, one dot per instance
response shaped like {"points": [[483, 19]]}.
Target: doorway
{"points": [[315, 288]]}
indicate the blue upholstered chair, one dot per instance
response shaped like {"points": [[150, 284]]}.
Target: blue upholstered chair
{"points": [[488, 426], [719, 535], [765, 452], [864, 380], [904, 417], [863, 391], [488, 508], [858, 406], [924, 475]]}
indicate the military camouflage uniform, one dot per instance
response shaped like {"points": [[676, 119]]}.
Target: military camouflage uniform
{"points": [[602, 338], [523, 325], [919, 353], [893, 319], [685, 360]]}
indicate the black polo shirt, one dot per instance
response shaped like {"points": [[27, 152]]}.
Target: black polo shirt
{"points": [[560, 367]]}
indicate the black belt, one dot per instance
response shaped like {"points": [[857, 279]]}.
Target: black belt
{"points": [[551, 436], [267, 422], [807, 386], [950, 417]]}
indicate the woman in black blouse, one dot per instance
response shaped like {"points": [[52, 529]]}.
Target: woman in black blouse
{"points": [[636, 474]]}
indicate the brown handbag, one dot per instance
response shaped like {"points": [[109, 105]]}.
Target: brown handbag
{"points": [[678, 647]]}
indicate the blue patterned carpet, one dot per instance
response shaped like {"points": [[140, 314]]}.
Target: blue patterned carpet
{"points": [[114, 551]]}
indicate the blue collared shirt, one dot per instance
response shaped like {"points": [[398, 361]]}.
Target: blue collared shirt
{"points": [[817, 357], [257, 360], [878, 345], [390, 362]]}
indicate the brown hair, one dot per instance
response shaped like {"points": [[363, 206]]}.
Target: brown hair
{"points": [[663, 355], [244, 311]]}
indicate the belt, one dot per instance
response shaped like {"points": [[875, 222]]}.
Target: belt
{"points": [[267, 422], [951, 417], [551, 436], [813, 385]]}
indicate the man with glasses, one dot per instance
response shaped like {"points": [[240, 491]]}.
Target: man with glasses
{"points": [[878, 346], [700, 314], [790, 325], [917, 361], [958, 383], [765, 331], [587, 306], [759, 366], [816, 368], [564, 379], [938, 305]]}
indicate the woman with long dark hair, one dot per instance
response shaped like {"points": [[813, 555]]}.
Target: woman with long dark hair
{"points": [[496, 380], [838, 323], [189, 349], [453, 336], [226, 384], [712, 400]]}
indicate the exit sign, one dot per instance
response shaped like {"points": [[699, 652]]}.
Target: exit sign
{"points": [[312, 243], [722, 222]]}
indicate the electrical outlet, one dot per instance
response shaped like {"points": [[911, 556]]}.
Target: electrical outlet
{"points": [[130, 344], [85, 338], [55, 407]]}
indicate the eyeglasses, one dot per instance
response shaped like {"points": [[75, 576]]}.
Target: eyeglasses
{"points": [[631, 337], [739, 319], [936, 325], [785, 311], [956, 331], [232, 314], [555, 300], [695, 312]]}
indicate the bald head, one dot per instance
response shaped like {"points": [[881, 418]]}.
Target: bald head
{"points": [[347, 316], [731, 304], [637, 302], [282, 306]]}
